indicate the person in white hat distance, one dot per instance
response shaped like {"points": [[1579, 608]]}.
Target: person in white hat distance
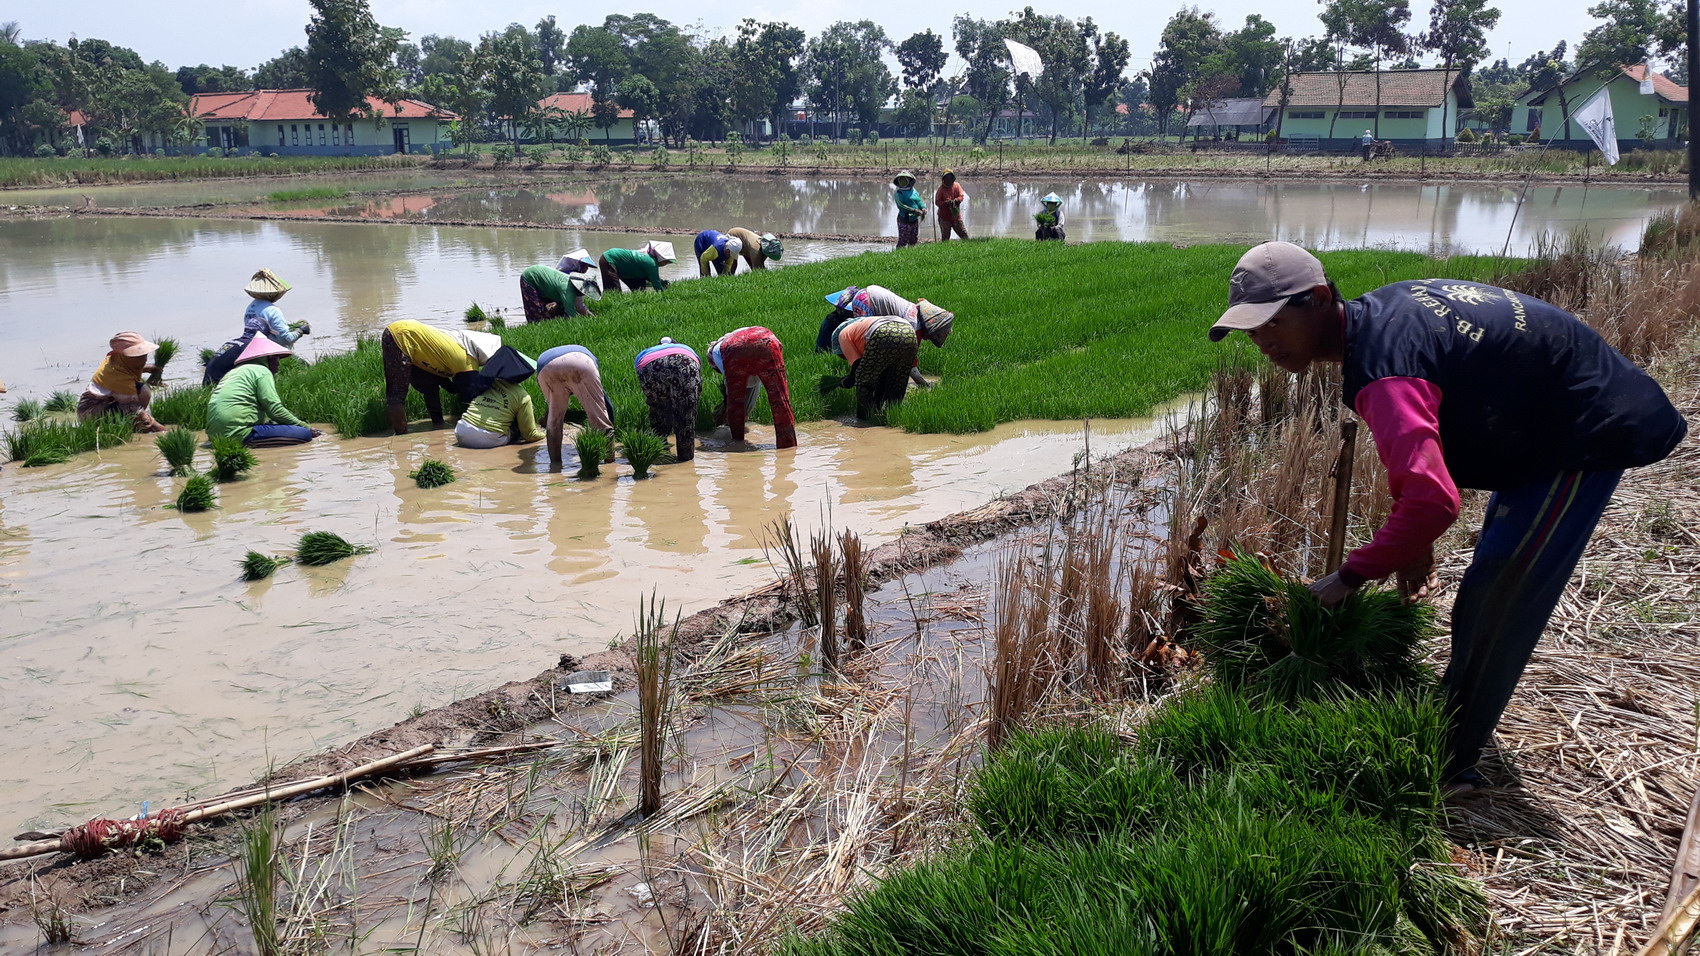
{"points": [[636, 268], [554, 292]]}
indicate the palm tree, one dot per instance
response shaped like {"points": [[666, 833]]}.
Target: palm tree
{"points": [[11, 31]]}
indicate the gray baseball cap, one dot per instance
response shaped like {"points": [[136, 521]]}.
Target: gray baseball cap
{"points": [[1264, 278]]}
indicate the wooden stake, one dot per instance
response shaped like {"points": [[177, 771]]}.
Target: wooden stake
{"points": [[1342, 494]]}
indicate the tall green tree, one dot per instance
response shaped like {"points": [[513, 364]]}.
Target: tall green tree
{"points": [[1628, 35], [440, 55], [286, 71], [511, 74], [1188, 42], [1457, 36], [922, 58], [349, 59], [845, 71], [767, 55], [596, 56], [986, 76], [661, 51], [1109, 55], [551, 45], [22, 83], [635, 93], [1253, 56], [1377, 26]]}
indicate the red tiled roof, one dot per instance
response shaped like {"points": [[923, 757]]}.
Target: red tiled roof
{"points": [[574, 103], [1398, 88], [1663, 85], [267, 105]]}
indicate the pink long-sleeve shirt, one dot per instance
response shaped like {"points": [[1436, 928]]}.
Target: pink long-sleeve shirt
{"points": [[1404, 416]]}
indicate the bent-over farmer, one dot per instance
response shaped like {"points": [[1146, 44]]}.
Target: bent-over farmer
{"points": [[1466, 385]]}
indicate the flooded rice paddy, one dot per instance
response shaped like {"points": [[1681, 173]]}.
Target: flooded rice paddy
{"points": [[141, 668]]}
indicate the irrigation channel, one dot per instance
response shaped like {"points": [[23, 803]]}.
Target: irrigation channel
{"points": [[150, 673]]}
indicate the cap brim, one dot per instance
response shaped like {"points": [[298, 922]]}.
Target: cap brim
{"points": [[1245, 316], [139, 349]]}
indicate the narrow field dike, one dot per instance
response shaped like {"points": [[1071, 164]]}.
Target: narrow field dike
{"points": [[1043, 331], [69, 170]]}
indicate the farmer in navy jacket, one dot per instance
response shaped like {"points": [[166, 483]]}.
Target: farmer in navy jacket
{"points": [[1466, 386]]}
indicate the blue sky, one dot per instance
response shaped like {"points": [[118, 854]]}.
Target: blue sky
{"points": [[195, 31]]}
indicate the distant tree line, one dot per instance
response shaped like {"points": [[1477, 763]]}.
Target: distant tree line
{"points": [[686, 85]]}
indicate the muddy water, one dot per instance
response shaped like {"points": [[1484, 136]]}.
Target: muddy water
{"points": [[67, 284], [140, 668], [1329, 215]]}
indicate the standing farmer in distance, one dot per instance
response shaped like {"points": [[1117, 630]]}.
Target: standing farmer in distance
{"points": [[910, 209], [1466, 385], [949, 199], [1368, 144]]}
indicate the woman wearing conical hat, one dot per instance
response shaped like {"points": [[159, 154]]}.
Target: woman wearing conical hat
{"points": [[911, 209], [1050, 218], [263, 315]]}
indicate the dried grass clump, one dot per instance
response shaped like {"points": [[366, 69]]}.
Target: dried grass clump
{"points": [[784, 538], [258, 567], [197, 494], [592, 447], [643, 448], [326, 547], [855, 592], [432, 473], [231, 459], [177, 446]]}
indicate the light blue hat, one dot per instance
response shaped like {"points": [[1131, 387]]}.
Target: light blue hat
{"points": [[842, 295], [1050, 197]]}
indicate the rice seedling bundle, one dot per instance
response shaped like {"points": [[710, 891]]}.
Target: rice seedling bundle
{"points": [[475, 313], [592, 446], [165, 351], [197, 494], [432, 473], [258, 567], [186, 406], [27, 409], [231, 459], [1262, 630], [61, 401], [207, 355], [326, 547], [642, 447], [47, 455], [178, 448], [50, 441]]}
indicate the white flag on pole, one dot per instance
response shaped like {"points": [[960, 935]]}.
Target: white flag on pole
{"points": [[1024, 59], [1595, 117]]}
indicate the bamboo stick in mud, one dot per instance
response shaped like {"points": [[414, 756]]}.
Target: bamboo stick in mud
{"points": [[251, 799], [1342, 495]]}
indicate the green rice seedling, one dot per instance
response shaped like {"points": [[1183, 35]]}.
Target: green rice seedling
{"points": [[231, 459], [48, 439], [164, 352], [1069, 783], [61, 401], [326, 547], [47, 455], [260, 867], [207, 355], [1261, 630], [182, 406], [592, 447], [258, 567], [178, 448], [27, 409], [497, 322], [475, 313], [197, 495], [642, 447], [304, 195], [432, 473]]}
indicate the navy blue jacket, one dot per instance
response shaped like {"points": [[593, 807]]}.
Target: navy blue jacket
{"points": [[1527, 389]]}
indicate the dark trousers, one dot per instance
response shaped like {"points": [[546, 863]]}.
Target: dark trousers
{"points": [[1530, 542]]}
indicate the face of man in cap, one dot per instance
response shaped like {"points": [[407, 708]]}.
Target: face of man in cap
{"points": [[1280, 297], [1299, 334]]}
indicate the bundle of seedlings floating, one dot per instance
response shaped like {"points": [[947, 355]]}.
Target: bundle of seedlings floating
{"points": [[1264, 631], [231, 459], [326, 547], [163, 353], [592, 446], [258, 567], [643, 448], [177, 446], [61, 401], [432, 473], [475, 313], [27, 409], [197, 494], [207, 355]]}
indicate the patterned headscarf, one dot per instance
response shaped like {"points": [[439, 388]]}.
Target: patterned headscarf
{"points": [[935, 322]]}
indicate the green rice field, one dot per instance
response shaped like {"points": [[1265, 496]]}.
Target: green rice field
{"points": [[1043, 331], [73, 170]]}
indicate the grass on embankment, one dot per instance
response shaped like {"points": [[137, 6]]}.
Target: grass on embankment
{"points": [[1239, 820], [23, 172], [1043, 331]]}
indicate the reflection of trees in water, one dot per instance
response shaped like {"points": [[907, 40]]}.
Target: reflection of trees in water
{"points": [[368, 266], [671, 513]]}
